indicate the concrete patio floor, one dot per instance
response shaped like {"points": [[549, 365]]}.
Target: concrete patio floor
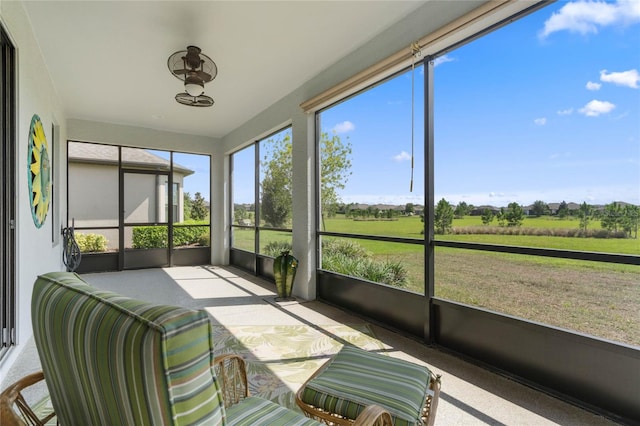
{"points": [[470, 394]]}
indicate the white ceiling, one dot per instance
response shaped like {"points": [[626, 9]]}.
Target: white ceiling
{"points": [[108, 59]]}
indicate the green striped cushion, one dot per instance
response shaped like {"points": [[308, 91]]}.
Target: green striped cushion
{"points": [[109, 359], [255, 411], [357, 378]]}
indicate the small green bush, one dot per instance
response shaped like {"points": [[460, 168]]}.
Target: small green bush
{"points": [[146, 237], [274, 248], [91, 243]]}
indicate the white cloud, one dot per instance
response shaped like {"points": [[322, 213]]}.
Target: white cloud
{"points": [[344, 127], [595, 108], [540, 121], [625, 78], [567, 111], [442, 59], [403, 156], [585, 17], [593, 86]]}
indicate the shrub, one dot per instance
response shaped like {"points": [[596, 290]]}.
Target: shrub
{"points": [[204, 240], [350, 258], [91, 243], [274, 248], [345, 247], [147, 237], [547, 232]]}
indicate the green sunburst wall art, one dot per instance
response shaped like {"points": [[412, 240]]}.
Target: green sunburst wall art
{"points": [[39, 172]]}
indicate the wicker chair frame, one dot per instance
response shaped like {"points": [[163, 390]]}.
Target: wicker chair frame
{"points": [[428, 410], [22, 414]]}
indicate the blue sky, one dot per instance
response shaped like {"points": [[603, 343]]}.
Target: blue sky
{"points": [[546, 108]]}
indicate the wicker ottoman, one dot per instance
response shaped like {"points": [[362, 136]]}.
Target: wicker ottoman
{"points": [[354, 379]]}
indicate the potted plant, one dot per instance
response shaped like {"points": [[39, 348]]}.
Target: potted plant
{"points": [[284, 272]]}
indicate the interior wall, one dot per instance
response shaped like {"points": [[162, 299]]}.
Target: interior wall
{"points": [[36, 252]]}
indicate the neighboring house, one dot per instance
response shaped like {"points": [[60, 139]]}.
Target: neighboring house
{"points": [[93, 188]]}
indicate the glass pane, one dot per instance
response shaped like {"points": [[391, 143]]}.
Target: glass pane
{"points": [[276, 167], [243, 238], [191, 188], [399, 265], [536, 137], [97, 240], [243, 186], [93, 184], [366, 157], [272, 243], [595, 298], [145, 198]]}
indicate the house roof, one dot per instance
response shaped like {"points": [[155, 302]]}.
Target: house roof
{"points": [[131, 157]]}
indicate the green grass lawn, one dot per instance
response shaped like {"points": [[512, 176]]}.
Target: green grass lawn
{"points": [[596, 298]]}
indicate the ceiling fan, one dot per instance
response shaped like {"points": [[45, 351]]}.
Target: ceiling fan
{"points": [[195, 69]]}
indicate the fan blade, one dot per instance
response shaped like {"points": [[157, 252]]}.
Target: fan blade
{"points": [[204, 76], [181, 71]]}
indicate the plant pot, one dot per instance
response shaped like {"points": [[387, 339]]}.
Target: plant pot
{"points": [[284, 272]]}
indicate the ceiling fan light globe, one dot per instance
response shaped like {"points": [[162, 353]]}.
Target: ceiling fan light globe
{"points": [[194, 89]]}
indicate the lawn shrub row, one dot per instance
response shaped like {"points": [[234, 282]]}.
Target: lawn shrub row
{"points": [[545, 232]]}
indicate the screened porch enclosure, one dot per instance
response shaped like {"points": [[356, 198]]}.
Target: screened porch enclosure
{"points": [[158, 224]]}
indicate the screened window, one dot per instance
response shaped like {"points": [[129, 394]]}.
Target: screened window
{"points": [[243, 195], [371, 174], [265, 165], [537, 146]]}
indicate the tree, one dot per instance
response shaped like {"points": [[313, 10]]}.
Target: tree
{"points": [[186, 205], [277, 168], [514, 214], [539, 208], [409, 208], [335, 169], [631, 220], [199, 209], [584, 213], [563, 210], [462, 209], [501, 216], [487, 216], [240, 213], [443, 217], [275, 185], [611, 217]]}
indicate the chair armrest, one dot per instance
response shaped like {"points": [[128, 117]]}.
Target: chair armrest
{"points": [[231, 372], [373, 415], [12, 396]]}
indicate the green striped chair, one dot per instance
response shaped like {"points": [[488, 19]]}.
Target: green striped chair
{"points": [[112, 360], [355, 379]]}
